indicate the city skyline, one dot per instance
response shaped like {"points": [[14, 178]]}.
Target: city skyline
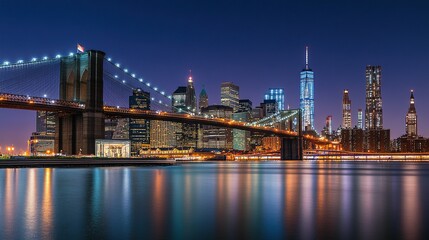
{"points": [[274, 62]]}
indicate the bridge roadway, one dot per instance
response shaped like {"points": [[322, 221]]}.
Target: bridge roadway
{"points": [[53, 105]]}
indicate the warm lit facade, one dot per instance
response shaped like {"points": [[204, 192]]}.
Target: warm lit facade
{"points": [[277, 94], [229, 95], [306, 95], [112, 148], [162, 134], [347, 112]]}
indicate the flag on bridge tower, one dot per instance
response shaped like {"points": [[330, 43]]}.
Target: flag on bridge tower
{"points": [[80, 48]]}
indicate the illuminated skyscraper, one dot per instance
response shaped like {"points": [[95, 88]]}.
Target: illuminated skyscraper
{"points": [[373, 110], [45, 122], [347, 115], [139, 129], [229, 95], [306, 97], [277, 94], [184, 101], [191, 99], [360, 119], [411, 118]]}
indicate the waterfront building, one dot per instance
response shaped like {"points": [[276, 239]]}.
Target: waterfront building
{"points": [[411, 118], [139, 129], [347, 115], [306, 96], [217, 137], [204, 99], [229, 95], [278, 95], [352, 139], [411, 141], [108, 148], [360, 119], [41, 144]]}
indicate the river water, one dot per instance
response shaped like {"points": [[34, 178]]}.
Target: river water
{"points": [[225, 200]]}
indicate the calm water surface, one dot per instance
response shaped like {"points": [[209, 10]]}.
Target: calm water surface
{"points": [[266, 200]]}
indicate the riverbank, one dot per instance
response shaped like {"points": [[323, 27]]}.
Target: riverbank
{"points": [[82, 162]]}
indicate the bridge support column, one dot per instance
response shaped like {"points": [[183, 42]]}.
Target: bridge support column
{"points": [[81, 80], [291, 148]]}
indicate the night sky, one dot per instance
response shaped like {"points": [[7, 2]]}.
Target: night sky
{"points": [[255, 44]]}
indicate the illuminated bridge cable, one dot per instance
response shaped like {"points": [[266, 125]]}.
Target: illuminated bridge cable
{"points": [[139, 81]]}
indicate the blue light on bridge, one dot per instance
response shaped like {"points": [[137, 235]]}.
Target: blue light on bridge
{"points": [[45, 58], [6, 63], [116, 76], [155, 88], [71, 54], [109, 59], [118, 65], [148, 84], [133, 75], [123, 81], [58, 56], [125, 70], [34, 59], [141, 79], [20, 61]]}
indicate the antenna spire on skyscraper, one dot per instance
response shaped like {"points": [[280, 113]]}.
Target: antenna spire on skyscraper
{"points": [[306, 57], [190, 75]]}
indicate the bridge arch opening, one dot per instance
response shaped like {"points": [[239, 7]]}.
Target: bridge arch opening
{"points": [[70, 87], [84, 86]]}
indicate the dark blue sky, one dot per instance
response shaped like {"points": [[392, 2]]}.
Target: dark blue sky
{"points": [[256, 44]]}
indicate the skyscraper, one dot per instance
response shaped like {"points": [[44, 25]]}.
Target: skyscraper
{"points": [[245, 105], [277, 94], [360, 119], [191, 99], [184, 101], [347, 115], [45, 122], [139, 129], [411, 118], [204, 99], [229, 95], [373, 110], [306, 97]]}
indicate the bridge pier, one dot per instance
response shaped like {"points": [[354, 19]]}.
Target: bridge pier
{"points": [[291, 148], [81, 80]]}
